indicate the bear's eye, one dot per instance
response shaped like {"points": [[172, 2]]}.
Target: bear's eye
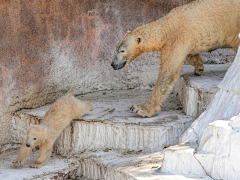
{"points": [[122, 51], [34, 138]]}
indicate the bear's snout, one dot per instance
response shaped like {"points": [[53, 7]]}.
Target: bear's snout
{"points": [[118, 66], [112, 64], [28, 145]]}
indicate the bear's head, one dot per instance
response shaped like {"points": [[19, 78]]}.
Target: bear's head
{"points": [[36, 136], [128, 49]]}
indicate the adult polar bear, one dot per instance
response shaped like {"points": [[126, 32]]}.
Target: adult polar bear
{"points": [[201, 25]]}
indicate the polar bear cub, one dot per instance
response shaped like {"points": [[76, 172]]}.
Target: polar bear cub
{"points": [[58, 116]]}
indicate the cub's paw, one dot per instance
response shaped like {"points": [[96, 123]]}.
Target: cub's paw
{"points": [[36, 165], [143, 111], [18, 162]]}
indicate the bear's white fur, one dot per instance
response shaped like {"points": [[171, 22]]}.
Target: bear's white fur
{"points": [[58, 116]]}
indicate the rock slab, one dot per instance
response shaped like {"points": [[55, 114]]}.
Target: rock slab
{"points": [[111, 125]]}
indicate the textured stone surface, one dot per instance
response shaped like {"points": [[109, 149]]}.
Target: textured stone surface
{"points": [[91, 165], [55, 168], [218, 150], [112, 125], [128, 166], [216, 156], [196, 93], [225, 104], [220, 56], [180, 160]]}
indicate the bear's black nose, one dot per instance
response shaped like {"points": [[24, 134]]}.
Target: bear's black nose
{"points": [[114, 66], [28, 145]]}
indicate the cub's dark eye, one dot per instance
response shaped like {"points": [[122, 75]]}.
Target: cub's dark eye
{"points": [[34, 138], [122, 51]]}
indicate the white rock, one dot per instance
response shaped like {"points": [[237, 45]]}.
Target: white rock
{"points": [[225, 104], [179, 159], [196, 93], [91, 165], [111, 125], [218, 151], [55, 168], [217, 155]]}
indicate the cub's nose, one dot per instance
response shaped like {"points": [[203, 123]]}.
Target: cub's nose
{"points": [[28, 145], [114, 66]]}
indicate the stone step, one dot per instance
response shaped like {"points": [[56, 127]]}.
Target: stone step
{"points": [[122, 165], [112, 125], [218, 151], [141, 166], [180, 160], [114, 165], [55, 168], [196, 92], [216, 156]]}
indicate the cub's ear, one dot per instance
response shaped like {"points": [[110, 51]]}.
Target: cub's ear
{"points": [[139, 40]]}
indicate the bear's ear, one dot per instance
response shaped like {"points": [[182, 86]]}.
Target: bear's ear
{"points": [[139, 39]]}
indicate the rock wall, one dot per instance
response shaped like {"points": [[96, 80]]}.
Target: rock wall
{"points": [[225, 104], [49, 47]]}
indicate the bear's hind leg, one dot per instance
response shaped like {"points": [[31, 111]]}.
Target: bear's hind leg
{"points": [[196, 61]]}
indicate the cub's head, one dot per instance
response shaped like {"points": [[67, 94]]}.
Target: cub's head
{"points": [[128, 49], [36, 136]]}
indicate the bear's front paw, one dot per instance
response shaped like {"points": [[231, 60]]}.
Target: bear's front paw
{"points": [[18, 162], [143, 111], [36, 165]]}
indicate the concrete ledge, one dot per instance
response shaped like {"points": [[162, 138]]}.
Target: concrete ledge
{"points": [[180, 160], [216, 157], [196, 92], [218, 151], [114, 165]]}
